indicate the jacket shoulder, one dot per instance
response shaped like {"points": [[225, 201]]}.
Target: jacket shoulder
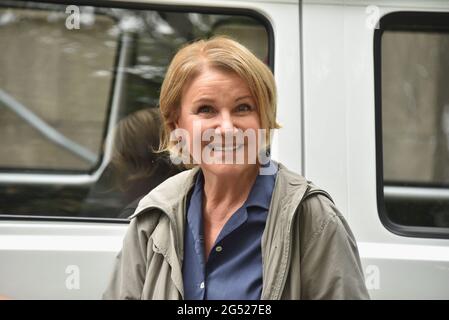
{"points": [[318, 214], [168, 194]]}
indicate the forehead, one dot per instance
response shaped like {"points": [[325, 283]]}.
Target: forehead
{"points": [[213, 82]]}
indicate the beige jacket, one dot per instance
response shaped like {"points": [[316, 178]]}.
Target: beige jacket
{"points": [[308, 250]]}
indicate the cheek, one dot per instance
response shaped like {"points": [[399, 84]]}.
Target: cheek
{"points": [[252, 123], [185, 122], [193, 132]]}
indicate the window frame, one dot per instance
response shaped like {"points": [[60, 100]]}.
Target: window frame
{"points": [[78, 179], [403, 21]]}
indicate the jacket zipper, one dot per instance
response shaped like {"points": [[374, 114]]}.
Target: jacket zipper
{"points": [[284, 277]]}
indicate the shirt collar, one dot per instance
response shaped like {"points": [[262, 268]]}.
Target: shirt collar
{"points": [[261, 191]]}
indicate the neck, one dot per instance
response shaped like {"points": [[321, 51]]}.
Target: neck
{"points": [[223, 194]]}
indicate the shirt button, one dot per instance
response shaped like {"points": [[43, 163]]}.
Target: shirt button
{"points": [[202, 285], [218, 248]]}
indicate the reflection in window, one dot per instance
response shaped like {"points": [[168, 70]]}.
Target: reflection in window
{"points": [[54, 85], [415, 127], [68, 98]]}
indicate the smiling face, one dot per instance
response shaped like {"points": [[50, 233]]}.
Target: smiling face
{"points": [[216, 106]]}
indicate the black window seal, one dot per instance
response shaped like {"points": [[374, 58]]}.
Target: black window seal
{"points": [[155, 7], [400, 21]]}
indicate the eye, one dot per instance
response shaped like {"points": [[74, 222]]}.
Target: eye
{"points": [[244, 108], [205, 109]]}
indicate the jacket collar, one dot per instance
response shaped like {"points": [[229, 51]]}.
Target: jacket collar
{"points": [[288, 193], [168, 195]]}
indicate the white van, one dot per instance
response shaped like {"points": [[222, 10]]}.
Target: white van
{"points": [[362, 100]]}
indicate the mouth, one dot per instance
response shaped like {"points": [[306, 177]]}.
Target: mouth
{"points": [[225, 148]]}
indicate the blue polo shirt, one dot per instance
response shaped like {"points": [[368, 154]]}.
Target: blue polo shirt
{"points": [[234, 267]]}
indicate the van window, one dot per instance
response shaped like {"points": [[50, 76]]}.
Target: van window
{"points": [[79, 89], [412, 101]]}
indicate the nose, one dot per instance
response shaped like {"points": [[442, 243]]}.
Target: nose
{"points": [[226, 124]]}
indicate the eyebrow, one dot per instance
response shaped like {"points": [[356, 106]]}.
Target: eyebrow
{"points": [[244, 97], [209, 100], [202, 100]]}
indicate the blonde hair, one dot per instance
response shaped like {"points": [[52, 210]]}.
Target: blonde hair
{"points": [[225, 54]]}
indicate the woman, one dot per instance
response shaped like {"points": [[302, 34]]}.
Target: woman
{"points": [[231, 229]]}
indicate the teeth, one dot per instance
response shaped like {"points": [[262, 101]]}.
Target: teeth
{"points": [[230, 148], [224, 149]]}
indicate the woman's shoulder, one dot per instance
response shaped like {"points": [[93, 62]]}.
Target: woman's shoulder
{"points": [[317, 212], [313, 197], [320, 218], [168, 194]]}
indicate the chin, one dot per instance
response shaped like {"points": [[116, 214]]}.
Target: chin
{"points": [[227, 169]]}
